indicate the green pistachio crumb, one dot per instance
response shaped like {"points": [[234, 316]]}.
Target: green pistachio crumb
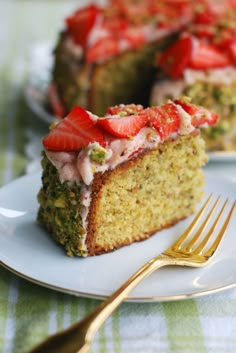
{"points": [[186, 99], [123, 113], [98, 154], [60, 202]]}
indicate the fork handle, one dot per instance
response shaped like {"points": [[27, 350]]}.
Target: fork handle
{"points": [[67, 341], [106, 308]]}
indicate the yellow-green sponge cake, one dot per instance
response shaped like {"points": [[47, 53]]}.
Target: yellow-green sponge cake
{"points": [[108, 182]]}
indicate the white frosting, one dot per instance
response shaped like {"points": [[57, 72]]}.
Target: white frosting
{"points": [[186, 126], [174, 88], [97, 32], [224, 75]]}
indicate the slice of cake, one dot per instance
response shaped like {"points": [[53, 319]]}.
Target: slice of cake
{"points": [[105, 55], [108, 182], [201, 64]]}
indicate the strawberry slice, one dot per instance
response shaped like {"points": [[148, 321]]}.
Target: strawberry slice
{"points": [[124, 127], [165, 119], [232, 51], [199, 115], [203, 31], [135, 36], [176, 58], [124, 110], [206, 56], [115, 25], [54, 101], [76, 130], [205, 17], [103, 49], [81, 22]]}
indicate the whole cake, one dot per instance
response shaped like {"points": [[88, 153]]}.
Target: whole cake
{"points": [[201, 64], [105, 55], [111, 181]]}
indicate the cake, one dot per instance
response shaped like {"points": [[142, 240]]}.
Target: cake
{"points": [[104, 56], [111, 181], [201, 64]]}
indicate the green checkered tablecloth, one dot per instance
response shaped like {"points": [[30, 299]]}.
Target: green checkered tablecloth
{"points": [[28, 312]]}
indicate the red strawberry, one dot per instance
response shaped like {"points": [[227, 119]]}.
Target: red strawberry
{"points": [[232, 51], [126, 126], [102, 49], [205, 17], [135, 36], [115, 25], [198, 114], [176, 58], [165, 119], [55, 101], [81, 22], [127, 109], [203, 31], [206, 56], [75, 131]]}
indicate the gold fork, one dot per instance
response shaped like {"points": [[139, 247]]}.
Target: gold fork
{"points": [[78, 338]]}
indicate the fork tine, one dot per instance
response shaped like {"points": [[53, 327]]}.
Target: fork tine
{"points": [[202, 227], [219, 237], [191, 227], [203, 243]]}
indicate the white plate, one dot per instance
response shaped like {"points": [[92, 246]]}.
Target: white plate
{"points": [[222, 156], [27, 250]]}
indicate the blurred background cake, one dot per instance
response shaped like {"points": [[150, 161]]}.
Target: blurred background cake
{"points": [[105, 55], [147, 52], [201, 64]]}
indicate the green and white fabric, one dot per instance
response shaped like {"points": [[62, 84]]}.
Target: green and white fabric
{"points": [[28, 312]]}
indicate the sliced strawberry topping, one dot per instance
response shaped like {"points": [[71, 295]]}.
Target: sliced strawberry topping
{"points": [[199, 115], [232, 51], [176, 58], [135, 36], [205, 17], [55, 102], [75, 131], [124, 110], [103, 49], [206, 32], [115, 25], [206, 56], [165, 119], [81, 22], [124, 127]]}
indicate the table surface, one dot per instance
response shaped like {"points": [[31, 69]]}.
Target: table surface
{"points": [[28, 312]]}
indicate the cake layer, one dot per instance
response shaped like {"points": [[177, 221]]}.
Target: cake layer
{"points": [[129, 203]]}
